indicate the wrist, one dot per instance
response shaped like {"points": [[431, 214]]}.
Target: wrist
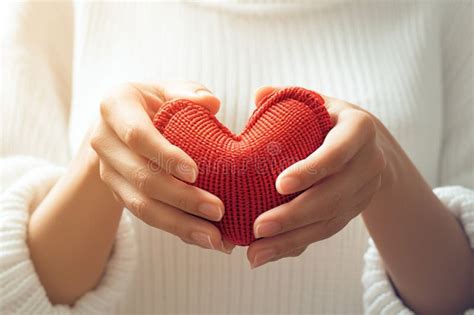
{"points": [[86, 170], [86, 161], [402, 186], [394, 156], [73, 230], [410, 228], [404, 197]]}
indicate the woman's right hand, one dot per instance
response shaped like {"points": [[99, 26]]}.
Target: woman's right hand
{"points": [[147, 173]]}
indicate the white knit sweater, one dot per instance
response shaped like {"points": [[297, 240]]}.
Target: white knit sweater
{"points": [[411, 64]]}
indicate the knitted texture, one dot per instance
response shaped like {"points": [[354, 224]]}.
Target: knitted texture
{"points": [[27, 180], [380, 297], [241, 170]]}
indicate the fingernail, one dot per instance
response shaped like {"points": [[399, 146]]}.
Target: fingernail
{"points": [[211, 211], [287, 184], [225, 249], [263, 257], [203, 93], [186, 172], [202, 239], [266, 229]]}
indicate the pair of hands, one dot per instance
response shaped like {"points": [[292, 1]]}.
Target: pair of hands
{"points": [[148, 174]]}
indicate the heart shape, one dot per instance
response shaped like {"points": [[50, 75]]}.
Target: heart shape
{"points": [[241, 170]]}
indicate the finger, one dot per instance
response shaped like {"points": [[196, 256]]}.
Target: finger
{"points": [[161, 215], [228, 246], [352, 131], [267, 249], [260, 260], [326, 200], [124, 114], [154, 183], [192, 91], [263, 92], [158, 93], [151, 96], [295, 253]]}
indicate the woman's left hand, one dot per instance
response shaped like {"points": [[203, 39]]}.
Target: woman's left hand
{"points": [[341, 178]]}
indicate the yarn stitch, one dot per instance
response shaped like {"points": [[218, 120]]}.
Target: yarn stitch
{"points": [[241, 170]]}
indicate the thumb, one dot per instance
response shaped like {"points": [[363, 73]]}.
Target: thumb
{"points": [[192, 91], [155, 95], [262, 92]]}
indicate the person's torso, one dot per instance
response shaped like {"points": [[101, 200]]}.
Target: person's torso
{"points": [[384, 57]]}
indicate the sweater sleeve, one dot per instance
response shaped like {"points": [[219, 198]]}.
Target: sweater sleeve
{"points": [[379, 295], [25, 182], [456, 177], [35, 70]]}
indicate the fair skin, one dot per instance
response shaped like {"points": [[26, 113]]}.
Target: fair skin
{"points": [[360, 168]]}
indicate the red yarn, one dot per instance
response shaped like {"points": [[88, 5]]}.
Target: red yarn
{"points": [[241, 170]]}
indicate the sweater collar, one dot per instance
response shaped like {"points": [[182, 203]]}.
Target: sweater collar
{"points": [[267, 6]]}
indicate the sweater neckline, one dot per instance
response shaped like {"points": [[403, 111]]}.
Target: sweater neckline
{"points": [[266, 6]]}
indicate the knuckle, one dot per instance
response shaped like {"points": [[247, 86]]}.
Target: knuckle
{"points": [[361, 207], [295, 252], [284, 249], [366, 123], [184, 203], [96, 141], [294, 213], [138, 206], [175, 229], [194, 85], [333, 204], [337, 224], [380, 162], [301, 217], [330, 228], [141, 178], [343, 105], [154, 165], [127, 87], [104, 106], [378, 183], [298, 252], [291, 220], [309, 168], [132, 135], [170, 158], [104, 174], [350, 113], [186, 240], [289, 244], [369, 126], [327, 228], [124, 89], [339, 157], [116, 196], [353, 106]]}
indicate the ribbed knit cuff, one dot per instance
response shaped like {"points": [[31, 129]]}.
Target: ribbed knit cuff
{"points": [[21, 290], [379, 295]]}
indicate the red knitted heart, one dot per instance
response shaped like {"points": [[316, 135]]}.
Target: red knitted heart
{"points": [[241, 170]]}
